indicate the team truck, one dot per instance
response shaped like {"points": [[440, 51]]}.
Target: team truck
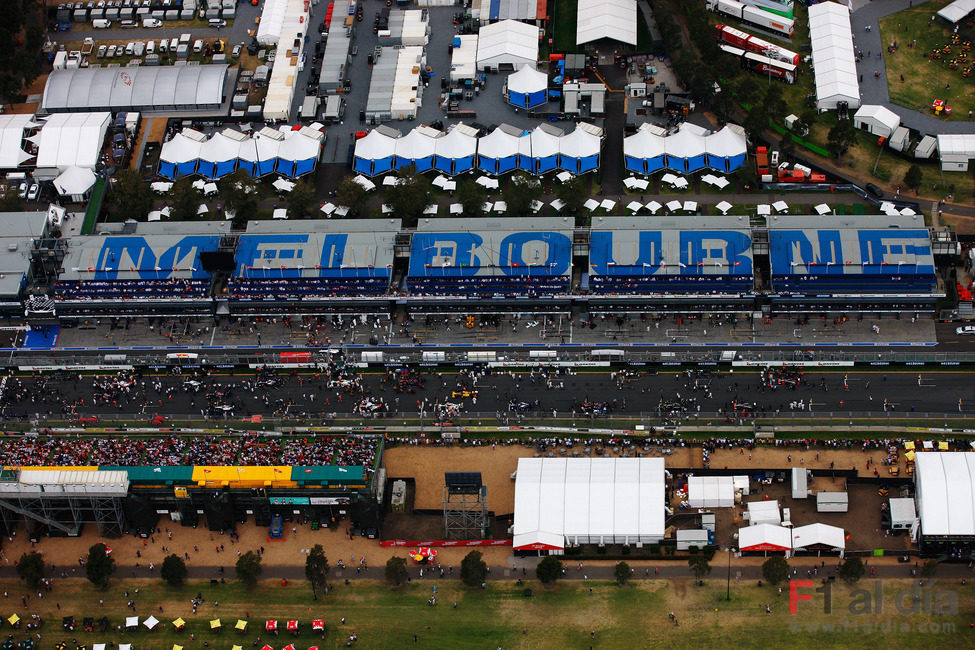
{"points": [[757, 17], [755, 44]]}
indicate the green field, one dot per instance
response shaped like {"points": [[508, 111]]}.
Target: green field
{"points": [[635, 616], [924, 79]]}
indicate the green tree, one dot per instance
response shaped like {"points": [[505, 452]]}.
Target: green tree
{"points": [[408, 197], [622, 573], [748, 89], [316, 569], [755, 123], [30, 569], [302, 198], [913, 177], [522, 190], [929, 569], [131, 197], [472, 197], [99, 566], [240, 194], [775, 569], [852, 570], [396, 574], [549, 570], [573, 193], [249, 568], [809, 117], [353, 196], [185, 200], [173, 570], [775, 106], [840, 137], [473, 569], [11, 201], [699, 566]]}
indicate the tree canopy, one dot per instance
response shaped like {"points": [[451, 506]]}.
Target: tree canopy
{"points": [[99, 566], [316, 569], [775, 569], [473, 569], [173, 570], [30, 569], [549, 570], [396, 574], [249, 568]]}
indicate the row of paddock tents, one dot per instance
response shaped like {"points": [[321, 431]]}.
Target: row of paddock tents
{"points": [[688, 150], [290, 151], [815, 538], [506, 148]]}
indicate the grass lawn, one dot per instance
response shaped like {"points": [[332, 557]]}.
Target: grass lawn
{"points": [[563, 25], [924, 79], [635, 616]]}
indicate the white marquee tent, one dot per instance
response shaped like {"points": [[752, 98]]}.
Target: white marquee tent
{"points": [[566, 501], [375, 152], [945, 483], [498, 151], [805, 538], [72, 140], [957, 10], [508, 42], [12, 128], [876, 119], [417, 148], [833, 56], [764, 512], [456, 150], [74, 182], [711, 491], [765, 537], [612, 19]]}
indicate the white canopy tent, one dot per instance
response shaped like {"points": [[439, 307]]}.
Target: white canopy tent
{"points": [[75, 182], [612, 19], [764, 512], [12, 128], [72, 140], [945, 483], [566, 501], [456, 150], [805, 538], [417, 148], [507, 43], [957, 10], [876, 119], [711, 491], [527, 81], [833, 56], [765, 537]]}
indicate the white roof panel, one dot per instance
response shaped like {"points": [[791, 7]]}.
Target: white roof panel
{"points": [[764, 537], [612, 19], [507, 41]]}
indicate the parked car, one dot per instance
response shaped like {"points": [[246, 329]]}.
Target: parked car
{"points": [[22, 191], [33, 192], [102, 49], [876, 191], [111, 51], [965, 330], [235, 53], [151, 23], [129, 24]]}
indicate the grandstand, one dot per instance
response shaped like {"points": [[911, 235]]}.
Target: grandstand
{"points": [[17, 229], [489, 260], [303, 260]]}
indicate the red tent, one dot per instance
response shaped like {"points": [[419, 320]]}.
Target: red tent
{"points": [[318, 624], [292, 625], [271, 625], [267, 647], [290, 646]]}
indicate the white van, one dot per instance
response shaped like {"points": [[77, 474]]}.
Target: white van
{"points": [[198, 46], [130, 48], [173, 44], [151, 47], [164, 45], [101, 23]]}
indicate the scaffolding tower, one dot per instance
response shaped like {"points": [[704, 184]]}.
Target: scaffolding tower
{"points": [[465, 514], [65, 500]]}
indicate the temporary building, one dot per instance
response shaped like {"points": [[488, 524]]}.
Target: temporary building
{"points": [[765, 537], [902, 513], [686, 538], [800, 483], [12, 131], [686, 151], [711, 491], [259, 155], [72, 140], [570, 501], [287, 33], [299, 151], [75, 183], [487, 10], [375, 152], [272, 21], [876, 119], [395, 92], [957, 11], [455, 151], [463, 57], [544, 146], [180, 155], [498, 151], [833, 56], [612, 19], [726, 149], [527, 87], [507, 45], [644, 152], [818, 537], [955, 150], [579, 150], [832, 502], [417, 148], [764, 512], [218, 156], [945, 494]]}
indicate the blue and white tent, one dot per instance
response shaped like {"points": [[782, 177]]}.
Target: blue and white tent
{"points": [[299, 151], [374, 153], [455, 151], [498, 151], [259, 155], [218, 156], [726, 149], [417, 148], [686, 151], [181, 154], [527, 88], [543, 153], [644, 151], [579, 150]]}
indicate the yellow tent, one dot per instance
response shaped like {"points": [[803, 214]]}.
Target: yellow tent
{"points": [[237, 647], [942, 446], [215, 624], [14, 619], [909, 444], [241, 625], [909, 456], [179, 623], [177, 647]]}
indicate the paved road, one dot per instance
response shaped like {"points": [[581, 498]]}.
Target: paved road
{"points": [[503, 397]]}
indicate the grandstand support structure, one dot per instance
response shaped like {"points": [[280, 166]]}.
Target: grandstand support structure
{"points": [[465, 512], [67, 512]]}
